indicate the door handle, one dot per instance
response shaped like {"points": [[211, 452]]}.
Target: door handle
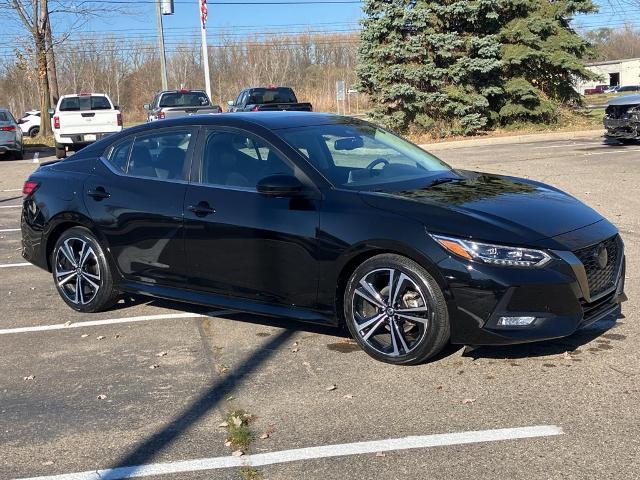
{"points": [[202, 209], [99, 193]]}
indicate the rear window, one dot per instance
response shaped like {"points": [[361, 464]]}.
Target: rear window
{"points": [[89, 102], [272, 95], [4, 117], [184, 99]]}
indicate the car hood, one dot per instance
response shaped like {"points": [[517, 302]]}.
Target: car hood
{"points": [[633, 99], [490, 207]]}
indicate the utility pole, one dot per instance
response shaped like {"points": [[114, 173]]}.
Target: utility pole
{"points": [[205, 51], [163, 7]]}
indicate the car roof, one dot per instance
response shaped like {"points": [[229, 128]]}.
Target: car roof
{"points": [[269, 120], [625, 100]]}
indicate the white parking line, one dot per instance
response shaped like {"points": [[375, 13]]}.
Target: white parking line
{"points": [[11, 265], [10, 206], [6, 230], [324, 451], [109, 321]]}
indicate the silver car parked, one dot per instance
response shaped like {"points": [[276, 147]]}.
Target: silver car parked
{"points": [[10, 136]]}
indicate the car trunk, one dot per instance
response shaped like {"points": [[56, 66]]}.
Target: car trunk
{"points": [[7, 137]]}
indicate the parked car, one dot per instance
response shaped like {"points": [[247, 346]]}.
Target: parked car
{"points": [[628, 89], [81, 119], [326, 219], [30, 123], [10, 136], [596, 90], [612, 89], [622, 119], [261, 99], [179, 103]]}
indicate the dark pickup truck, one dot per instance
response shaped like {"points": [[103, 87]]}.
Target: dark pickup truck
{"points": [[269, 99]]}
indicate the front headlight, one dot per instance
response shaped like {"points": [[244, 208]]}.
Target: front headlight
{"points": [[493, 254]]}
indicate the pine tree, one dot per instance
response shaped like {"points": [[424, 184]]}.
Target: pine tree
{"points": [[456, 67]]}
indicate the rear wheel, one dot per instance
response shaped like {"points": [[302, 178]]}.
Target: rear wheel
{"points": [[61, 152], [396, 311], [34, 131], [81, 272]]}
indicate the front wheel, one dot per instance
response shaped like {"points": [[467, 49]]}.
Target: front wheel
{"points": [[81, 272], [396, 311]]}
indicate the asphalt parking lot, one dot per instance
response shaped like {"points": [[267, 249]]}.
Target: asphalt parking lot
{"points": [[149, 383]]}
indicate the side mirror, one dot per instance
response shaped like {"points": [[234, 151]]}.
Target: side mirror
{"points": [[147, 106], [280, 186], [116, 107], [231, 103], [51, 111]]}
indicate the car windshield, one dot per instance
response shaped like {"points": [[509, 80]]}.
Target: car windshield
{"points": [[271, 95], [184, 99], [363, 157], [84, 102]]}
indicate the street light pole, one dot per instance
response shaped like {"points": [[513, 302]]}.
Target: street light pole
{"points": [[163, 59]]}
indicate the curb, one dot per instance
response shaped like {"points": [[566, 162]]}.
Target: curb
{"points": [[512, 140]]}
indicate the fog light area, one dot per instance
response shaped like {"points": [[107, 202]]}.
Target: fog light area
{"points": [[515, 321]]}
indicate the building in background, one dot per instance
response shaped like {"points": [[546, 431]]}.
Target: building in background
{"points": [[613, 73]]}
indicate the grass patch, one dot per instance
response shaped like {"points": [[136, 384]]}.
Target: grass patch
{"points": [[39, 141], [239, 434], [249, 473]]}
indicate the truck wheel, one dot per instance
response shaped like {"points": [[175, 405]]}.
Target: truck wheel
{"points": [[60, 151]]}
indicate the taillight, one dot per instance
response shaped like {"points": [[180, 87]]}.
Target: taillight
{"points": [[119, 119], [219, 109], [160, 115], [254, 109], [56, 122], [8, 128], [29, 187]]}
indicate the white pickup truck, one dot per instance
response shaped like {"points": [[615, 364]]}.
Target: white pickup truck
{"points": [[81, 119]]}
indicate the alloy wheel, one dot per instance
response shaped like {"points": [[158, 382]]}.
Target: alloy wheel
{"points": [[390, 312], [77, 271]]}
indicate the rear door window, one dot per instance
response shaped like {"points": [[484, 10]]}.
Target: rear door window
{"points": [[160, 155]]}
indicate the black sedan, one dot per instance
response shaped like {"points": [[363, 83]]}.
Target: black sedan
{"points": [[325, 219]]}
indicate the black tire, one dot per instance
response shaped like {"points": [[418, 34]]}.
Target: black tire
{"points": [[61, 152], [34, 131], [94, 271], [416, 341]]}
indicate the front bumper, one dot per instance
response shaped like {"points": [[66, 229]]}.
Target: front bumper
{"points": [[557, 295], [623, 129]]}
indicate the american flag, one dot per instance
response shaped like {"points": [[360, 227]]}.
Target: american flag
{"points": [[203, 12]]}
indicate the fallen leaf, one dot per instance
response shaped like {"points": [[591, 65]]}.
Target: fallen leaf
{"points": [[84, 335], [294, 350], [161, 354], [468, 401], [154, 366], [264, 436], [223, 425], [67, 323], [566, 355], [117, 335], [30, 377], [47, 463], [100, 337], [439, 387], [330, 388], [237, 421], [227, 443], [381, 454], [101, 397], [349, 396], [237, 453]]}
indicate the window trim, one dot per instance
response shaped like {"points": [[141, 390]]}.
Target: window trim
{"points": [[187, 170]]}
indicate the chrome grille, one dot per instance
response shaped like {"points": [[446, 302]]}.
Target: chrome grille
{"points": [[601, 279]]}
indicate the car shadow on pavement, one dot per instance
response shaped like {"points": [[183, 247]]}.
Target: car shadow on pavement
{"points": [[201, 406], [551, 347]]}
